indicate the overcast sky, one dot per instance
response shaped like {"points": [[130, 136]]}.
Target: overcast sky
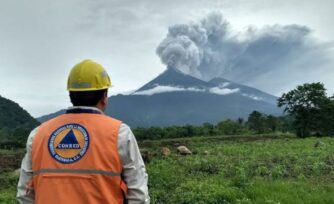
{"points": [[41, 40]]}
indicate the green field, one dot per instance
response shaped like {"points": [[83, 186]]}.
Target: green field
{"points": [[244, 170], [247, 169], [9, 161]]}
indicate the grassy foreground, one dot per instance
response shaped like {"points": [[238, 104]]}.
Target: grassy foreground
{"points": [[244, 171], [233, 170]]}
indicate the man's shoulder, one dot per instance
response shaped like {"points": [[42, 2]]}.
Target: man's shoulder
{"points": [[124, 127], [111, 119], [101, 116], [102, 119]]}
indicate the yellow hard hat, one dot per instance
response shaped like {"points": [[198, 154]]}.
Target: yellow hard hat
{"points": [[88, 76]]}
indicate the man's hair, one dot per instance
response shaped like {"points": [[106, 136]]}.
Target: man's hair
{"points": [[86, 98]]}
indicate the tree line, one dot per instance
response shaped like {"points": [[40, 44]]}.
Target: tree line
{"points": [[14, 137], [257, 123]]}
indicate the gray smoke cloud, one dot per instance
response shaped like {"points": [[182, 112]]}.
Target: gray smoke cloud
{"points": [[209, 48]]}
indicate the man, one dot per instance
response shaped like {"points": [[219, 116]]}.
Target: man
{"points": [[83, 156]]}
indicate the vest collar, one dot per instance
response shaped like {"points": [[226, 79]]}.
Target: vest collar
{"points": [[83, 109]]}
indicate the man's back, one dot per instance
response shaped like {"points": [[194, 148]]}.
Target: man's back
{"points": [[76, 160]]}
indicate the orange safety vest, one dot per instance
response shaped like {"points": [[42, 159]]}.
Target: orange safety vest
{"points": [[75, 160]]}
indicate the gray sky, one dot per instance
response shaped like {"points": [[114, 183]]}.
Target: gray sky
{"points": [[41, 40]]}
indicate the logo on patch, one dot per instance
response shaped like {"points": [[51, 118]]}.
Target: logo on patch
{"points": [[69, 143]]}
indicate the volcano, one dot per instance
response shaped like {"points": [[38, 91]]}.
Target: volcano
{"points": [[174, 98]]}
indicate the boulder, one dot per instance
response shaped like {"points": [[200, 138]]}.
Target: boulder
{"points": [[183, 150], [165, 151]]}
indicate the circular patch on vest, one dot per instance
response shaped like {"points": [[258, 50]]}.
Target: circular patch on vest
{"points": [[68, 143]]}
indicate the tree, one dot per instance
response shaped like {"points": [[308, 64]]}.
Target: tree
{"points": [[190, 130], [305, 103], [256, 122], [272, 123], [327, 117], [230, 127], [20, 136], [286, 123], [240, 121]]}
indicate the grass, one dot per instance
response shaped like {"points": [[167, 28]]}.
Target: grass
{"points": [[8, 183], [243, 169]]}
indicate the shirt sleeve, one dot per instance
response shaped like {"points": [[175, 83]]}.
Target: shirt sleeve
{"points": [[134, 172], [26, 174]]}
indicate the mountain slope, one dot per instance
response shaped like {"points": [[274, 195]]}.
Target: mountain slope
{"points": [[246, 90], [173, 77], [13, 116], [174, 98], [180, 108]]}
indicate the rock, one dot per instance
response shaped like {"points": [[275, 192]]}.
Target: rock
{"points": [[183, 150], [165, 151], [206, 152]]}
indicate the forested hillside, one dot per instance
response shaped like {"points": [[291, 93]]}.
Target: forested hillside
{"points": [[15, 124]]}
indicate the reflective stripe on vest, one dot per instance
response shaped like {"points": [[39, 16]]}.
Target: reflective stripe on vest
{"points": [[75, 159], [76, 171]]}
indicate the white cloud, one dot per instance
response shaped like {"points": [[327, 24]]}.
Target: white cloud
{"points": [[164, 89], [223, 91], [253, 97]]}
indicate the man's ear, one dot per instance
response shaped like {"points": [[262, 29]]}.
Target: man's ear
{"points": [[104, 99], [103, 102]]}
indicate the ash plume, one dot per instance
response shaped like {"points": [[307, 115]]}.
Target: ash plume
{"points": [[261, 57]]}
